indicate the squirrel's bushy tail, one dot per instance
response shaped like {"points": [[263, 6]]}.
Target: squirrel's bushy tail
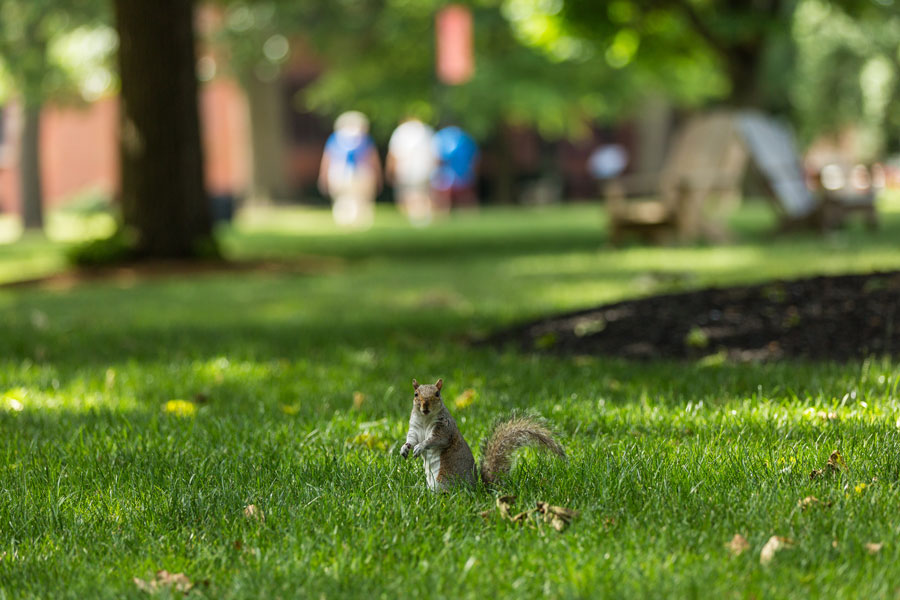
{"points": [[508, 436]]}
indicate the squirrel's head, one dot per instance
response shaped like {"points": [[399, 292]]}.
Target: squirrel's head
{"points": [[427, 398]]}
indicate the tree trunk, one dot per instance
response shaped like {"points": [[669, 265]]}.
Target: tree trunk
{"points": [[267, 126], [743, 66], [163, 196], [30, 169]]}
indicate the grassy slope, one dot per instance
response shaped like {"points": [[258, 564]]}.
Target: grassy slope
{"points": [[99, 484]]}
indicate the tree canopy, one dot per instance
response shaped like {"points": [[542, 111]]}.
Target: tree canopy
{"points": [[49, 50], [378, 56], [823, 63]]}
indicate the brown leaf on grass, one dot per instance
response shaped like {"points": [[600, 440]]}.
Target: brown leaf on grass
{"points": [[178, 582], [504, 504], [738, 545], [874, 547], [774, 544], [358, 399], [559, 517], [565, 513], [834, 465], [807, 502], [252, 512], [522, 518], [835, 462], [486, 515], [558, 523]]}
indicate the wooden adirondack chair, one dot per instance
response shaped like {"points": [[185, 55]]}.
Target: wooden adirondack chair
{"points": [[772, 149], [694, 192]]}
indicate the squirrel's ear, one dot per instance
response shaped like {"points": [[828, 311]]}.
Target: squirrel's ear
{"points": [[439, 384], [415, 384]]}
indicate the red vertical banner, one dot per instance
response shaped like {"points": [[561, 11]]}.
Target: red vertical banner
{"points": [[455, 52]]}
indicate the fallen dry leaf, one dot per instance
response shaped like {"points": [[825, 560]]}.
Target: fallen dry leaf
{"points": [[738, 545], [179, 582], [807, 502], [557, 523], [834, 465], [558, 516], [836, 461], [874, 547], [522, 518], [561, 511], [504, 503], [358, 399], [252, 512], [774, 544]]}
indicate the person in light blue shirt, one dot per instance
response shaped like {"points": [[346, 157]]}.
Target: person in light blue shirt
{"points": [[454, 178], [351, 171]]}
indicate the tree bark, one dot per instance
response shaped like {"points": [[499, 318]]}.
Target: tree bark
{"points": [[30, 169], [163, 195]]}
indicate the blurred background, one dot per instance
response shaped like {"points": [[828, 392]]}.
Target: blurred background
{"points": [[563, 97]]}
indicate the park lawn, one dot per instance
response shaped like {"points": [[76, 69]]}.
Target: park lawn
{"points": [[138, 419]]}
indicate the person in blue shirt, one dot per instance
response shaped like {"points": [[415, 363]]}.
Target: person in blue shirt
{"points": [[454, 179], [351, 171]]}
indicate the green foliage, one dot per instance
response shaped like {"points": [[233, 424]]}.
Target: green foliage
{"points": [[117, 248], [824, 63], [379, 57], [848, 74], [138, 419], [57, 49]]}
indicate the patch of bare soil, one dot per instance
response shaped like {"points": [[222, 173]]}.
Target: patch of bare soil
{"points": [[838, 318]]}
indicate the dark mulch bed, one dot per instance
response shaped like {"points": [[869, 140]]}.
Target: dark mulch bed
{"points": [[823, 318]]}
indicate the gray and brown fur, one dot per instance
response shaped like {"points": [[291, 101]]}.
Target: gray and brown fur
{"points": [[448, 461]]}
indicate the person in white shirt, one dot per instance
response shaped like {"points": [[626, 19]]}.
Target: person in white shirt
{"points": [[410, 163]]}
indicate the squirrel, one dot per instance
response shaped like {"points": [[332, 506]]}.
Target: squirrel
{"points": [[433, 435]]}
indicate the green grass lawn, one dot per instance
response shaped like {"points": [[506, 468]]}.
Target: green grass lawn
{"points": [[138, 419]]}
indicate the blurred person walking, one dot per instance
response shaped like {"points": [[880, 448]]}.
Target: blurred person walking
{"points": [[454, 179], [351, 171], [409, 166]]}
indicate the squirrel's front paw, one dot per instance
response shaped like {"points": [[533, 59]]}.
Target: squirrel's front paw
{"points": [[418, 450], [404, 451]]}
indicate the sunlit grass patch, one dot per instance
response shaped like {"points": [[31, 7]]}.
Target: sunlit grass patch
{"points": [[139, 422]]}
